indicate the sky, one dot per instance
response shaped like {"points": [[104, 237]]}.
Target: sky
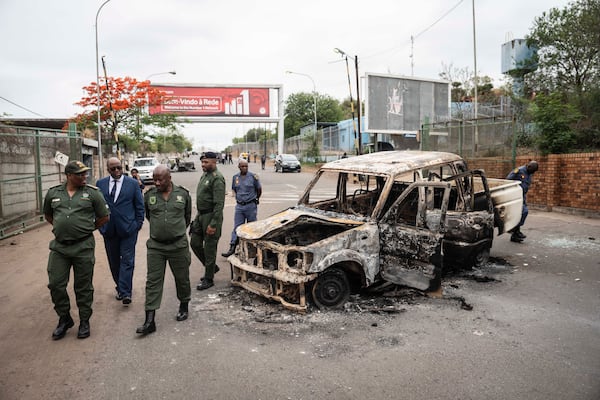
{"points": [[48, 50]]}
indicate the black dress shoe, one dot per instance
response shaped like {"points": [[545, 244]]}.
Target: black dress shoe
{"points": [[229, 252], [126, 300], [84, 329], [64, 323], [205, 284], [119, 296], [515, 238]]}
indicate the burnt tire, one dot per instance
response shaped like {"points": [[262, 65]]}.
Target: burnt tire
{"points": [[481, 257], [331, 289]]}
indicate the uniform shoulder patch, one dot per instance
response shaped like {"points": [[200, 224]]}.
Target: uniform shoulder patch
{"points": [[516, 170]]}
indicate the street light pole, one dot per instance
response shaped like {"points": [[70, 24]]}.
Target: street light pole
{"points": [[148, 100], [343, 54], [100, 161], [314, 98]]}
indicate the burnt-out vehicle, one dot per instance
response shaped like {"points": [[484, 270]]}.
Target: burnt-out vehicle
{"points": [[396, 217]]}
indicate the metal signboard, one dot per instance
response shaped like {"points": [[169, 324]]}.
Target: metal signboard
{"points": [[399, 104], [210, 101]]}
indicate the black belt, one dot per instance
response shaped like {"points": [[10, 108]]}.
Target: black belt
{"points": [[178, 238], [72, 242], [243, 203], [204, 212]]}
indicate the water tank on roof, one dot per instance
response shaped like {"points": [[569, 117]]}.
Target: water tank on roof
{"points": [[518, 58]]}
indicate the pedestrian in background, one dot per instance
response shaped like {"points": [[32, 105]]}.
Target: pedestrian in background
{"points": [[169, 211], [75, 210], [247, 190], [263, 161], [206, 228], [136, 175], [522, 174], [126, 204]]}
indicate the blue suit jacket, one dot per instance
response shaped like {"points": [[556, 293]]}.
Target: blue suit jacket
{"points": [[127, 213]]}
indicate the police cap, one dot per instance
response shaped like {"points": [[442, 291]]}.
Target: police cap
{"points": [[76, 167]]}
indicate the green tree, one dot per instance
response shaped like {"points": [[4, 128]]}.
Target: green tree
{"points": [[568, 43], [568, 58], [554, 123], [299, 111]]}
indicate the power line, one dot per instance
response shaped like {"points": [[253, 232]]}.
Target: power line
{"points": [[411, 40], [20, 106], [438, 20]]}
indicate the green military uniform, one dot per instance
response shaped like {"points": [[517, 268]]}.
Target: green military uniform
{"points": [[168, 241], [73, 224], [210, 200]]}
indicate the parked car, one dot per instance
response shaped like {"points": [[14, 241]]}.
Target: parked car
{"points": [[178, 164], [396, 217], [287, 162], [145, 167]]}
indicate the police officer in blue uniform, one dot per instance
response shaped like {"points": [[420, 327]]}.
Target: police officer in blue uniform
{"points": [[247, 189], [522, 174]]}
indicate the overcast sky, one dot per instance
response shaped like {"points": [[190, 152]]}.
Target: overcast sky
{"points": [[48, 47]]}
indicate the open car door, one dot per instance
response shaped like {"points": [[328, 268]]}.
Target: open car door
{"points": [[411, 234]]}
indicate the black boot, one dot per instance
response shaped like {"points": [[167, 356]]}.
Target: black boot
{"points": [[149, 325], [84, 329], [519, 233], [182, 315], [64, 323], [230, 251]]}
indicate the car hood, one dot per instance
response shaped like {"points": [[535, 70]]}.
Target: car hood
{"points": [[292, 216]]}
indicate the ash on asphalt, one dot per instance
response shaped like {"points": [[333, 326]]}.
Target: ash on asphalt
{"points": [[236, 307]]}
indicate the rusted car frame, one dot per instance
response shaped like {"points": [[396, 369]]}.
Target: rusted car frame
{"points": [[386, 217]]}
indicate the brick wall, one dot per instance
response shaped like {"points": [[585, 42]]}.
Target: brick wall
{"points": [[563, 180]]}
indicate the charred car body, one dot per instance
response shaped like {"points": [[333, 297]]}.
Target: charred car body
{"points": [[396, 217]]}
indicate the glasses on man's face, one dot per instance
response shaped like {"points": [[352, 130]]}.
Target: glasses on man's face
{"points": [[117, 168]]}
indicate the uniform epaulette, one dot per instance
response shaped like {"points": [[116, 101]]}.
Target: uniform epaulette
{"points": [[516, 170], [56, 186], [92, 186], [184, 188]]}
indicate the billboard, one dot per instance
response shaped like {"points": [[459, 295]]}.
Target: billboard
{"points": [[210, 101], [400, 104]]}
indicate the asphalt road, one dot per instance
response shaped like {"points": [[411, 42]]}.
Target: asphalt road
{"points": [[527, 326]]}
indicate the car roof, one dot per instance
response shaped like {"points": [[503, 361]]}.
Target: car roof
{"points": [[391, 162]]}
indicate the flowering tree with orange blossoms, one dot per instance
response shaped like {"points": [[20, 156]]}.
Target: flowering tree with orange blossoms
{"points": [[122, 105]]}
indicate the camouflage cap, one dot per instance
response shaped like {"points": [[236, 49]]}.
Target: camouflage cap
{"points": [[76, 167]]}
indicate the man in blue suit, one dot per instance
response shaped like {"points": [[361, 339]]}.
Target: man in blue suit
{"points": [[126, 203]]}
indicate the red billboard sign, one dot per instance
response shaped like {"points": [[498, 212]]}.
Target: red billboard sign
{"points": [[213, 101]]}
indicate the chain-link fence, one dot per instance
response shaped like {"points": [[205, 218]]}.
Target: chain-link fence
{"points": [[28, 168], [490, 137]]}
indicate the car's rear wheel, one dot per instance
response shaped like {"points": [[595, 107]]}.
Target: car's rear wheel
{"points": [[331, 289]]}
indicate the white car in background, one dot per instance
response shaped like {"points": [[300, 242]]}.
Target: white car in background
{"points": [[145, 167]]}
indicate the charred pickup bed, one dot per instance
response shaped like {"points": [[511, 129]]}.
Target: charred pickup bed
{"points": [[397, 217]]}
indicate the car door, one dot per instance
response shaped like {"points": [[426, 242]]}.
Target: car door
{"points": [[411, 235]]}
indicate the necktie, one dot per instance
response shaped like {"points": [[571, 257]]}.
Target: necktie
{"points": [[113, 190]]}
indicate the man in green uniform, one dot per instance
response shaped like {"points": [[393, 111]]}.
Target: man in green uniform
{"points": [[169, 211], [206, 228], [75, 210]]}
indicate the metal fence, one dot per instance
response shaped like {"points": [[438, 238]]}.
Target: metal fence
{"points": [[27, 169], [490, 137]]}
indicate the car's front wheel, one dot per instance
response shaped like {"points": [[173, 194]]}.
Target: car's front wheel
{"points": [[331, 289]]}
